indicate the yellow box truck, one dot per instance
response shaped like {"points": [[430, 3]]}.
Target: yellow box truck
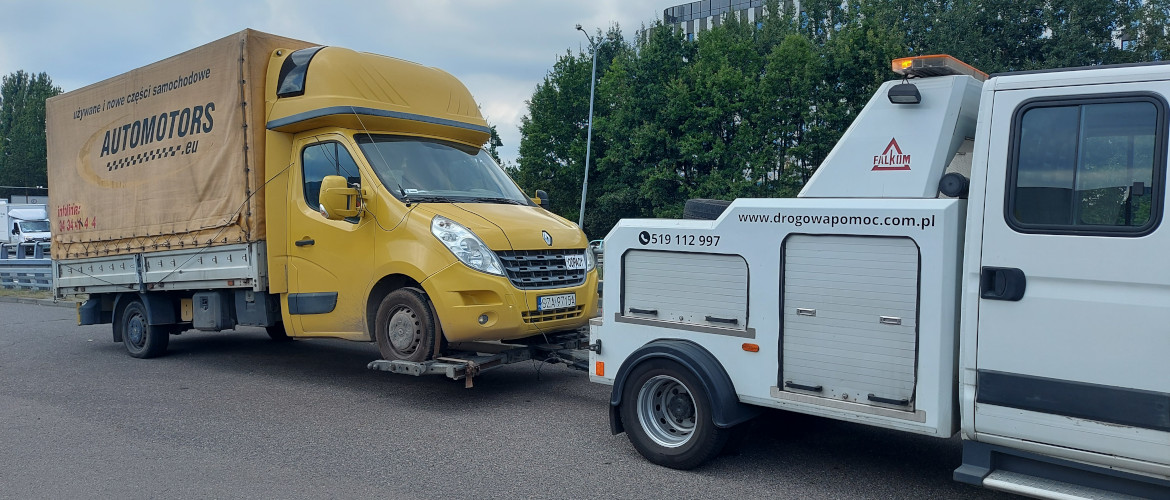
{"points": [[316, 191]]}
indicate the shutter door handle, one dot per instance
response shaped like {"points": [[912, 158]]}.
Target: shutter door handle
{"points": [[1002, 283], [728, 321]]}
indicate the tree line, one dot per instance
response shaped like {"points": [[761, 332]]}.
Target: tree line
{"points": [[22, 132], [749, 109]]}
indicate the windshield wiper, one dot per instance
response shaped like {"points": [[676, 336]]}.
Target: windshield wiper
{"points": [[431, 199], [489, 199]]}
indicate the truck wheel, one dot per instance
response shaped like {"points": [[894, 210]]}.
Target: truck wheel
{"points": [[667, 416], [142, 340], [405, 326], [277, 332]]}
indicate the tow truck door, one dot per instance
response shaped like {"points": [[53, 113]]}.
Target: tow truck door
{"points": [[1074, 288]]}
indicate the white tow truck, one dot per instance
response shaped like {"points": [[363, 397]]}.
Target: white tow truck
{"points": [[983, 256]]}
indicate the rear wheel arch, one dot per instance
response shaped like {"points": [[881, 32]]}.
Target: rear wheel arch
{"points": [[726, 409], [160, 309]]}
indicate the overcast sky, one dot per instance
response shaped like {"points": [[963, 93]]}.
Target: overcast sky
{"points": [[499, 48]]}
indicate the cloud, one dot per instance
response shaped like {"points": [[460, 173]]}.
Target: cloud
{"points": [[501, 49]]}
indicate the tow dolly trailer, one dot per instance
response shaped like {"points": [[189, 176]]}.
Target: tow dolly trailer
{"points": [[983, 256], [466, 360]]}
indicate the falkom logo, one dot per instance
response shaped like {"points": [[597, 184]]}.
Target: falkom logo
{"points": [[892, 158]]}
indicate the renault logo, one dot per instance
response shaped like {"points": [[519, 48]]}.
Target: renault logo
{"points": [[547, 238]]}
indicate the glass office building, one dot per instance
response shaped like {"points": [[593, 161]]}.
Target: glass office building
{"points": [[695, 17]]}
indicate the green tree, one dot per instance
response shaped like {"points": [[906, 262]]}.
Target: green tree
{"points": [[1082, 32], [22, 128], [493, 146], [553, 132], [638, 173], [751, 109]]}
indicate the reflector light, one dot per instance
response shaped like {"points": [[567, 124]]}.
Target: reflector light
{"points": [[751, 347], [600, 369], [934, 65]]}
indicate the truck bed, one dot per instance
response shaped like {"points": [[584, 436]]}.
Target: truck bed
{"points": [[230, 266]]}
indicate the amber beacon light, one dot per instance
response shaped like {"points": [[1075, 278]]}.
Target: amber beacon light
{"points": [[934, 65]]}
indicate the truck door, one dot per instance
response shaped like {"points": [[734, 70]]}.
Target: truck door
{"points": [[329, 260], [1074, 288]]}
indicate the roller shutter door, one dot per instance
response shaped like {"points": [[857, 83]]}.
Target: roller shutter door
{"points": [[850, 307], [702, 289]]}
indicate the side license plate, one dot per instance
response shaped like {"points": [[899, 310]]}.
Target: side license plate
{"points": [[549, 302], [575, 261]]}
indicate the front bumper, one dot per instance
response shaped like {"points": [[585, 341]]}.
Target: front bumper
{"points": [[462, 295]]}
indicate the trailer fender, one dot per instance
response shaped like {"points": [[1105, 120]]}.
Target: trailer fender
{"points": [[726, 409], [160, 310]]}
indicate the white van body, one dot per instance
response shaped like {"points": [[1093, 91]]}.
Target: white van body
{"points": [[24, 223]]}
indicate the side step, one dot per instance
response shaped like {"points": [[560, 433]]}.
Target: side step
{"points": [[1041, 476], [1038, 487]]}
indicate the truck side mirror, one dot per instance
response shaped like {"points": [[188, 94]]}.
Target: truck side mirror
{"points": [[338, 200], [541, 199]]}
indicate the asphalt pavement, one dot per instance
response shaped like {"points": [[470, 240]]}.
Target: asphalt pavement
{"points": [[236, 415]]}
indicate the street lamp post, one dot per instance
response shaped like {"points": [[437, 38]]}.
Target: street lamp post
{"points": [[589, 135]]}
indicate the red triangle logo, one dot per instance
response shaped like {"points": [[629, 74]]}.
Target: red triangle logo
{"points": [[892, 158]]}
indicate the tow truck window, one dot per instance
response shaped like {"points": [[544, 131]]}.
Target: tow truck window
{"points": [[326, 158], [1090, 166]]}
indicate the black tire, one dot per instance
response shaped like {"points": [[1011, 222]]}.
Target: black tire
{"points": [[277, 332], [667, 416], [405, 326], [704, 209], [141, 339]]}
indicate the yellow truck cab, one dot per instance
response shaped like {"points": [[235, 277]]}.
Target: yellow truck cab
{"points": [[383, 219]]}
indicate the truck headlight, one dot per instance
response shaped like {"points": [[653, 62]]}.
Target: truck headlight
{"points": [[466, 246], [590, 259]]}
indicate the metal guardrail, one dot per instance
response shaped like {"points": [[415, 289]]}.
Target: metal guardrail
{"points": [[26, 266]]}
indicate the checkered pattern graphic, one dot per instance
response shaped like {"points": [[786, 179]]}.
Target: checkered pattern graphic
{"points": [[143, 157]]}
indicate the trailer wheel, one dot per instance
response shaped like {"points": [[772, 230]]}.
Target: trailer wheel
{"points": [[277, 332], [141, 339], [667, 416], [405, 326]]}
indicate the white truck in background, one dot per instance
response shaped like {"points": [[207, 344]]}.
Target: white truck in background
{"points": [[1026, 307], [24, 223]]}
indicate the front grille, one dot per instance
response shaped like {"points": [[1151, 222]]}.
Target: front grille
{"points": [[540, 269], [552, 314]]}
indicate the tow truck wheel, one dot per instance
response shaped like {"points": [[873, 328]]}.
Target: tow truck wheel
{"points": [[141, 339], [667, 416], [405, 326]]}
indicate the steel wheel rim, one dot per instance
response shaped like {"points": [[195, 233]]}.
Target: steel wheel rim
{"points": [[404, 331], [136, 330], [666, 411]]}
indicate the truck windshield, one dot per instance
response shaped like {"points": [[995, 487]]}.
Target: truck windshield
{"points": [[34, 226], [425, 170]]}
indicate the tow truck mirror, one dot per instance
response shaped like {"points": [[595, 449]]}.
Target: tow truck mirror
{"points": [[338, 200], [541, 199]]}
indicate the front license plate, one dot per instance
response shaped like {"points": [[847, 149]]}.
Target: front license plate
{"points": [[549, 302], [575, 261]]}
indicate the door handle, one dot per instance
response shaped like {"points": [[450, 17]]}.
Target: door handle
{"points": [[1002, 283], [305, 242]]}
